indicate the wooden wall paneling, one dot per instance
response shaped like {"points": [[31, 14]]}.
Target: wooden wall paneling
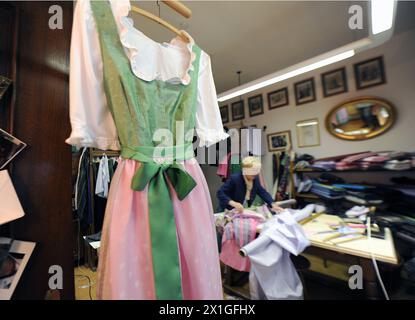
{"points": [[8, 42], [42, 173]]}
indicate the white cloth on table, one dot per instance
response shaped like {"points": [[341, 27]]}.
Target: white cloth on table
{"points": [[307, 211], [103, 178], [273, 275]]}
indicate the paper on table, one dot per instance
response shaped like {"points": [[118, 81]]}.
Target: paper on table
{"points": [[10, 207]]}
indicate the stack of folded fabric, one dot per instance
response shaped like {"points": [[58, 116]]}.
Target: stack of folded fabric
{"points": [[399, 200], [301, 165], [360, 194], [328, 178], [399, 155], [364, 198], [304, 185], [323, 165], [366, 160], [327, 191], [343, 166], [374, 162], [303, 161], [398, 165], [399, 161], [352, 162]]}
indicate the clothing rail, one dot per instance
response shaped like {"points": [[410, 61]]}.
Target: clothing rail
{"points": [[100, 153]]}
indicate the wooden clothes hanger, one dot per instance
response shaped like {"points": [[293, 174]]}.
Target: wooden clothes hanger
{"points": [[175, 5]]}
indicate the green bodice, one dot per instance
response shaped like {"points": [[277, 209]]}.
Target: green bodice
{"points": [[141, 107]]}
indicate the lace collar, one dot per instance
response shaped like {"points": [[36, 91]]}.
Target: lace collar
{"points": [[150, 60]]}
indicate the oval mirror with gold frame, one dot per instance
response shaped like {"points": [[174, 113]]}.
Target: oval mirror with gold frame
{"points": [[361, 118]]}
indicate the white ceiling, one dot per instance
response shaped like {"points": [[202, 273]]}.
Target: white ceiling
{"points": [[260, 37]]}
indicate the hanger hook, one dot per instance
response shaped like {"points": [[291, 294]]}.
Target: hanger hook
{"points": [[158, 5]]}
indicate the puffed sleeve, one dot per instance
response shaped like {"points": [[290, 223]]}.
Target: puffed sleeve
{"points": [[209, 126], [91, 121]]}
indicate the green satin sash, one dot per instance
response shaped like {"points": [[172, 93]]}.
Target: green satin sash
{"points": [[165, 251]]}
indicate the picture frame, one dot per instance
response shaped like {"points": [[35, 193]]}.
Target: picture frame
{"points": [[4, 85], [10, 147], [334, 82], [305, 91], [238, 110], [18, 252], [224, 113], [256, 105], [278, 98], [279, 141], [308, 133], [369, 73]]}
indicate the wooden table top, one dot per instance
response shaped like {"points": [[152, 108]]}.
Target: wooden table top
{"points": [[383, 249]]}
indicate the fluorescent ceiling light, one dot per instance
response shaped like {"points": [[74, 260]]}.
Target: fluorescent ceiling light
{"points": [[286, 75], [382, 12], [382, 19]]}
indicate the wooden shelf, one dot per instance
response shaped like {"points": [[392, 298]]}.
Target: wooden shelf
{"points": [[307, 195]]}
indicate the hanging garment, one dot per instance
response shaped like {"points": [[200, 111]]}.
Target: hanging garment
{"points": [[158, 238], [82, 196], [275, 172], [373, 162], [112, 166], [273, 275], [223, 167], [398, 165], [103, 178], [235, 164], [283, 178]]}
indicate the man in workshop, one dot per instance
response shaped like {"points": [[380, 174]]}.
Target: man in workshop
{"points": [[241, 188]]}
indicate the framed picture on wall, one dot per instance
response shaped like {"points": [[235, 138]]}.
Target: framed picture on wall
{"points": [[279, 141], [334, 82], [369, 73], [224, 113], [304, 91], [238, 110], [255, 105], [10, 147], [278, 98], [308, 133], [16, 255], [4, 84]]}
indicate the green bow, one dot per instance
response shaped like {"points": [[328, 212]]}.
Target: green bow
{"points": [[181, 181], [165, 251]]}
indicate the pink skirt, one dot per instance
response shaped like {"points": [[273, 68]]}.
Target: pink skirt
{"points": [[125, 262]]}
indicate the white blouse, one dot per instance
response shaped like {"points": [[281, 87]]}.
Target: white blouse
{"points": [[91, 120]]}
